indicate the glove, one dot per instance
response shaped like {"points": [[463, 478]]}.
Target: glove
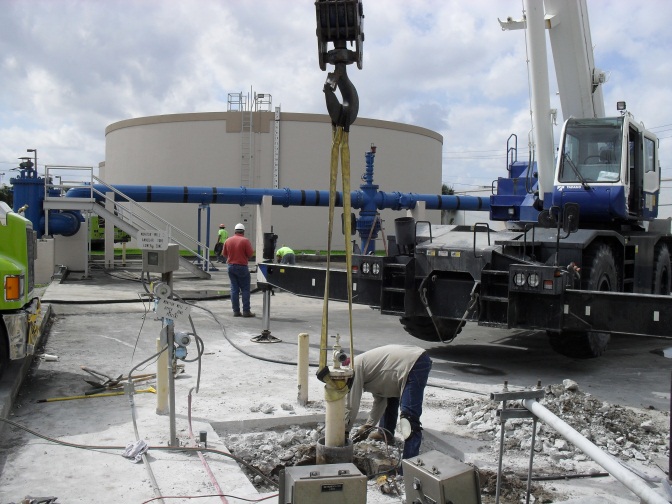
{"points": [[362, 433]]}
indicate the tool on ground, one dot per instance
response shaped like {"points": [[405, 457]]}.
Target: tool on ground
{"points": [[118, 386], [109, 381], [151, 390]]}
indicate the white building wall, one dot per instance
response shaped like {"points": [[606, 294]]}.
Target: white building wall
{"points": [[197, 150]]}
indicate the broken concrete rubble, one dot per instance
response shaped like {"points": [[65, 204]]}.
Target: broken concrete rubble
{"points": [[623, 432]]}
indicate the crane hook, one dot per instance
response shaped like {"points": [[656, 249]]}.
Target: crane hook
{"points": [[342, 114]]}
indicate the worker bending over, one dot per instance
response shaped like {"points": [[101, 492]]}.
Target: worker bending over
{"points": [[396, 376], [285, 255]]}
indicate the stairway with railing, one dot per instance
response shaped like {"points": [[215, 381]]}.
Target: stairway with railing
{"points": [[127, 215]]}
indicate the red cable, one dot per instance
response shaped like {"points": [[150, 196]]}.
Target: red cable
{"points": [[200, 456]]}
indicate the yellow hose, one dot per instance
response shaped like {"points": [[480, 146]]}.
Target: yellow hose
{"points": [[104, 394]]}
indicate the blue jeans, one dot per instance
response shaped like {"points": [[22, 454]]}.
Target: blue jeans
{"points": [[239, 276], [288, 259], [411, 405]]}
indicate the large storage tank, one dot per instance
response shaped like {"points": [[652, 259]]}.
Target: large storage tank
{"points": [[266, 149]]}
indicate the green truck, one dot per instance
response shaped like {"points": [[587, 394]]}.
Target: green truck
{"points": [[97, 233], [19, 307]]}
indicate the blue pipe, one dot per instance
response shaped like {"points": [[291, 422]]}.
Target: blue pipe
{"points": [[369, 200], [29, 189], [285, 197]]}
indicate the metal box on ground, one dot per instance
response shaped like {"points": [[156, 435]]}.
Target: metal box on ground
{"points": [[436, 478], [323, 484]]}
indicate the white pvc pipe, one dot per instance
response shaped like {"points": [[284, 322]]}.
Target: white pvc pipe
{"points": [[334, 431], [611, 465], [302, 369]]}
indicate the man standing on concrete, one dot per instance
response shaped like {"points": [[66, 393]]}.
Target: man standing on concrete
{"points": [[238, 250], [285, 255], [396, 376]]}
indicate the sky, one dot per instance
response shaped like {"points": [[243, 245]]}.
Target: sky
{"points": [[70, 68]]}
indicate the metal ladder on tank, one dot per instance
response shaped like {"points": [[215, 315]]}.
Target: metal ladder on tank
{"points": [[246, 157]]}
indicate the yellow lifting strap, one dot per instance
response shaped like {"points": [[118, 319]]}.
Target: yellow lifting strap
{"points": [[336, 389]]}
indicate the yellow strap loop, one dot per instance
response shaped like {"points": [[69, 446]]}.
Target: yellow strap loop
{"points": [[340, 147]]}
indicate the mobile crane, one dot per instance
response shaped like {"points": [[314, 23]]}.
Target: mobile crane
{"points": [[583, 254]]}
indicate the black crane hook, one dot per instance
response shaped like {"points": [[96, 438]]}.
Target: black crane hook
{"points": [[342, 114]]}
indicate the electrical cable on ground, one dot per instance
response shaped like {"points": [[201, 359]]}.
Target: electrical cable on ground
{"points": [[145, 460], [213, 480], [210, 495]]}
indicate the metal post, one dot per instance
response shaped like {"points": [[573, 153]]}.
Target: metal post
{"points": [[171, 383], [266, 313], [529, 469], [501, 454], [207, 264], [161, 376], [266, 336], [198, 230]]}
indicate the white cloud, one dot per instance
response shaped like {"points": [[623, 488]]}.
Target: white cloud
{"points": [[70, 68]]}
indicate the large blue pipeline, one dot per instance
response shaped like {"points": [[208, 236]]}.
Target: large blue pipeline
{"points": [[285, 197], [368, 200]]}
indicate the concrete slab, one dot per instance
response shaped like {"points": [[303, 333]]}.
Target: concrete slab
{"points": [[73, 449]]}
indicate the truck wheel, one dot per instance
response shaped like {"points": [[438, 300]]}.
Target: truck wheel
{"points": [[4, 349], [579, 345], [661, 271], [423, 328], [599, 274]]}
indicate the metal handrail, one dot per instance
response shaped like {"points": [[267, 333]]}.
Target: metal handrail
{"points": [[131, 215], [170, 229]]}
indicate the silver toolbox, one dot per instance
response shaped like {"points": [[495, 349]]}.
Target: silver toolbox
{"points": [[322, 484], [436, 478]]}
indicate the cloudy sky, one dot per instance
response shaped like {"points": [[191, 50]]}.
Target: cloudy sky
{"points": [[69, 68]]}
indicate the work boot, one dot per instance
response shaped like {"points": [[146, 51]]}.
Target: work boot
{"points": [[248, 314], [236, 314], [377, 435]]}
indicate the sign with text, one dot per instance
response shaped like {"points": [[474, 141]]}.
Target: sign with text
{"points": [[153, 240], [168, 308]]}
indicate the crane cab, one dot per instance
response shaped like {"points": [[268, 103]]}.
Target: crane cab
{"points": [[609, 166]]}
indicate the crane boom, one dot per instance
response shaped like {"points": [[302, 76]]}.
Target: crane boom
{"points": [[579, 82]]}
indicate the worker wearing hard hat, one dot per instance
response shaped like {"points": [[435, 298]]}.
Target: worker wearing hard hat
{"points": [[285, 255], [222, 235], [238, 251]]}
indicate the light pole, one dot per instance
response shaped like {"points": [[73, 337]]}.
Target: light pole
{"points": [[34, 151]]}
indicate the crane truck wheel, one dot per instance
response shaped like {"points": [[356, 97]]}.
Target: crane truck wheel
{"points": [[423, 328], [661, 271], [4, 349], [599, 274]]}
